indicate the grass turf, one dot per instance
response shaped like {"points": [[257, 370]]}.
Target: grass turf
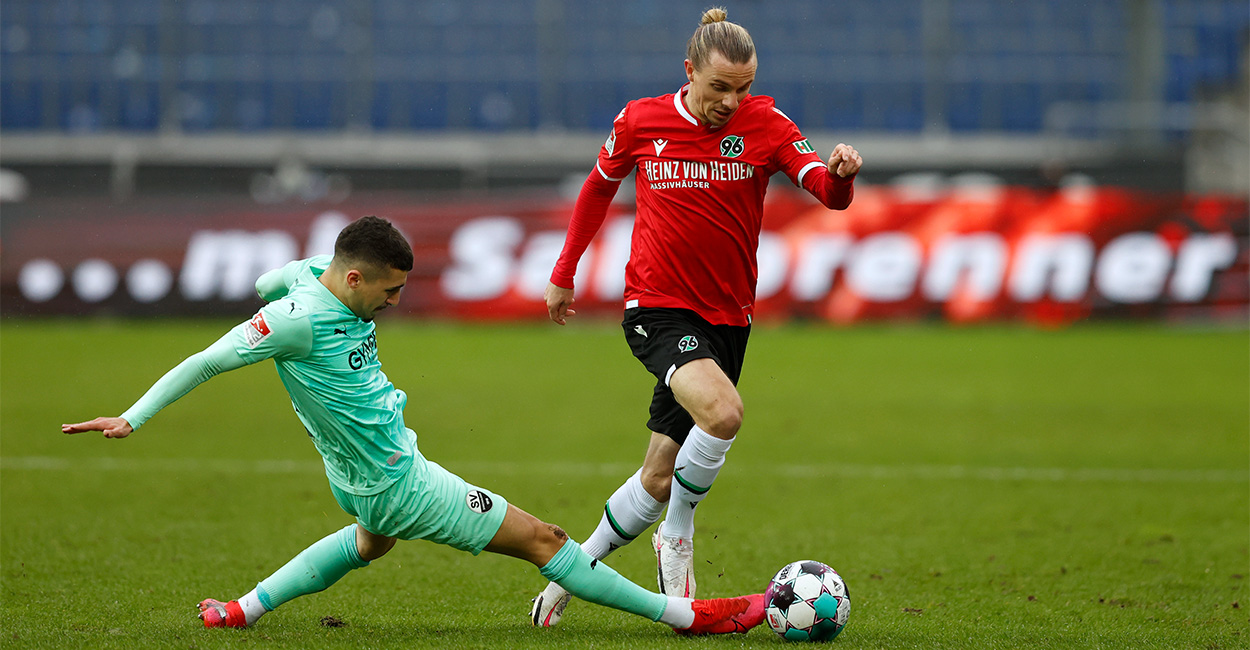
{"points": [[977, 488]]}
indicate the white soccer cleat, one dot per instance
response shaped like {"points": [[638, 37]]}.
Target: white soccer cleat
{"points": [[549, 605], [674, 558]]}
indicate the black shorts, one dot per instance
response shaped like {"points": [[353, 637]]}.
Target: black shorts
{"points": [[665, 339]]}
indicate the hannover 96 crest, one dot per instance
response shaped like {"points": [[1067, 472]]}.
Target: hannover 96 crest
{"points": [[732, 146]]}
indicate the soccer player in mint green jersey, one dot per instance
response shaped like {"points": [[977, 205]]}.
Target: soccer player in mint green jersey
{"points": [[318, 328]]}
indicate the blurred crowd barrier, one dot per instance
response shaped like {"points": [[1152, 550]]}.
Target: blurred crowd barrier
{"points": [[963, 253]]}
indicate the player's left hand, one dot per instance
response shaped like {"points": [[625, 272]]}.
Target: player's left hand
{"points": [[112, 427], [844, 161]]}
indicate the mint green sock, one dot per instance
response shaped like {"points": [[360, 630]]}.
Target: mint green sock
{"points": [[316, 568], [592, 580]]}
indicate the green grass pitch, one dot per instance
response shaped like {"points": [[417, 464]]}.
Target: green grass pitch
{"points": [[977, 488]]}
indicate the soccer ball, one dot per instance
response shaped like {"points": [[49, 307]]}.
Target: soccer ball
{"points": [[807, 601]]}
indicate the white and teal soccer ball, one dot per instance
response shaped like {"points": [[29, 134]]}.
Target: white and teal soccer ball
{"points": [[807, 601]]}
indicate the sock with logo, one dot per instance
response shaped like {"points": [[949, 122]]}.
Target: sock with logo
{"points": [[592, 580], [629, 512], [698, 462], [316, 568]]}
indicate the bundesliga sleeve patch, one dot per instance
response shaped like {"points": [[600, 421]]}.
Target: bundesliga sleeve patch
{"points": [[804, 146], [257, 330], [610, 145]]}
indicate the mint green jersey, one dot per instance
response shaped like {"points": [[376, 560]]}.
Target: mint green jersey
{"points": [[327, 359]]}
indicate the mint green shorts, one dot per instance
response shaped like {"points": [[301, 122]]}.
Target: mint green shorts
{"points": [[429, 503]]}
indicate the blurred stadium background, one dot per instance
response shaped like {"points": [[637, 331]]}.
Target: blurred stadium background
{"points": [[1049, 160]]}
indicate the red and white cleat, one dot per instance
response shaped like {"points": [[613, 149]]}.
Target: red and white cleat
{"points": [[674, 559], [215, 613], [726, 615], [549, 605]]}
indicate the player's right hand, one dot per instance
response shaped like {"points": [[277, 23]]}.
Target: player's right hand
{"points": [[559, 300], [845, 160], [112, 427]]}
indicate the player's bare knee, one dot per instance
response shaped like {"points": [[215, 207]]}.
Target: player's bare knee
{"points": [[724, 418], [547, 541], [374, 548], [558, 532]]}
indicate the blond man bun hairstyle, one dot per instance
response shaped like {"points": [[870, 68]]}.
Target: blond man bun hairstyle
{"points": [[715, 34], [713, 15]]}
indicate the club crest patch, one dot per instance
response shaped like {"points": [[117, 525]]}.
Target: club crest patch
{"points": [[256, 330], [479, 501], [732, 146], [687, 343]]}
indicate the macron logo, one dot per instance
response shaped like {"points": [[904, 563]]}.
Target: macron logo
{"points": [[659, 145]]}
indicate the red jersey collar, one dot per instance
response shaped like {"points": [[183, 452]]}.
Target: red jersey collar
{"points": [[680, 103]]}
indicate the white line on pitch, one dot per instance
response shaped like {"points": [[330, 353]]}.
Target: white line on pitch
{"points": [[471, 468]]}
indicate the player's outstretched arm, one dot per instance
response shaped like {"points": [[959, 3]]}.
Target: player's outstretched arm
{"points": [[112, 427], [559, 300], [195, 370], [286, 334]]}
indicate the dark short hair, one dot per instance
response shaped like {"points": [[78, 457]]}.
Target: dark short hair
{"points": [[373, 241]]}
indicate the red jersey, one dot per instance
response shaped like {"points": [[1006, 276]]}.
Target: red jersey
{"points": [[700, 200]]}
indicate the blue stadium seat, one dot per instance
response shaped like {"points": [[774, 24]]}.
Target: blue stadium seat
{"points": [[433, 64], [21, 105], [964, 103], [318, 105], [138, 106], [427, 105], [79, 107], [1022, 107]]}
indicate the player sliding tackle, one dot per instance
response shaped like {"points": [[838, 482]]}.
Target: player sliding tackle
{"points": [[318, 328]]}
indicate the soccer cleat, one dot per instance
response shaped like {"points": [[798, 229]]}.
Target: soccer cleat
{"points": [[674, 560], [726, 615], [549, 605], [215, 613]]}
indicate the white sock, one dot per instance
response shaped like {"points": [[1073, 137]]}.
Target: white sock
{"points": [[679, 613], [698, 462], [629, 512], [252, 608]]}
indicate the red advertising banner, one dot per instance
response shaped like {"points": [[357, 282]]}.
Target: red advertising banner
{"points": [[965, 255]]}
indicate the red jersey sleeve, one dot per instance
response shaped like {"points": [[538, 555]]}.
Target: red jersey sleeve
{"points": [[833, 191], [588, 215], [616, 156], [798, 159], [614, 164]]}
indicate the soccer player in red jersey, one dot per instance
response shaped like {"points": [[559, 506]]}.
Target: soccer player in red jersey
{"points": [[703, 157]]}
